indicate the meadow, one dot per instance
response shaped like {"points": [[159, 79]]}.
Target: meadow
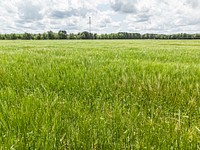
{"points": [[117, 94]]}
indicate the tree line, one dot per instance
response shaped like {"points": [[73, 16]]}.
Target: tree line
{"points": [[62, 34]]}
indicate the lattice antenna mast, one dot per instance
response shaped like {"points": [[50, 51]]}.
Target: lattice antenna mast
{"points": [[90, 25]]}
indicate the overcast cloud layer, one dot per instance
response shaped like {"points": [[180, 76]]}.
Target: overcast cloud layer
{"points": [[144, 16]]}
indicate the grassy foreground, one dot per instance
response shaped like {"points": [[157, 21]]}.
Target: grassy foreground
{"points": [[99, 95]]}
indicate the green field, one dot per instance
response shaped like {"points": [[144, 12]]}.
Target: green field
{"points": [[140, 94]]}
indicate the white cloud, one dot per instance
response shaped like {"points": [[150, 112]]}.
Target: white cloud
{"points": [[167, 16], [126, 6]]}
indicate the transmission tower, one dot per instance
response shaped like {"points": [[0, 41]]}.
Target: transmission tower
{"points": [[90, 24]]}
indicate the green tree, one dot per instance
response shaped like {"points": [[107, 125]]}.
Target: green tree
{"points": [[62, 34], [50, 35]]}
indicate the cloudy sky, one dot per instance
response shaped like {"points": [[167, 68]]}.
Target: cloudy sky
{"points": [[144, 16]]}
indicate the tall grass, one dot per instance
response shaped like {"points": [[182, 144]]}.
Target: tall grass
{"points": [[99, 95]]}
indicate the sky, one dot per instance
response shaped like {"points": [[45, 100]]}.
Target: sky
{"points": [[108, 16]]}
